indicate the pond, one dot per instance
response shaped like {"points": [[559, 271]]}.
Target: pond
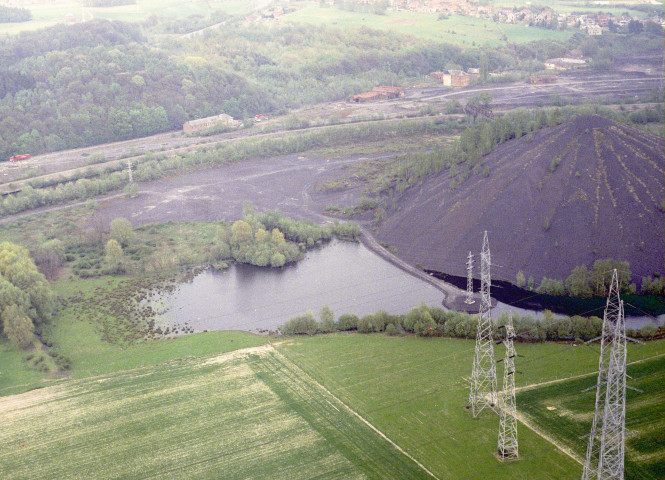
{"points": [[347, 277]]}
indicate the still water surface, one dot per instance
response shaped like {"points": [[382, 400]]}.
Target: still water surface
{"points": [[347, 277]]}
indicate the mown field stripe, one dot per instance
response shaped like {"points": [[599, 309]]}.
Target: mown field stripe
{"points": [[564, 411], [364, 445], [582, 375], [197, 418]]}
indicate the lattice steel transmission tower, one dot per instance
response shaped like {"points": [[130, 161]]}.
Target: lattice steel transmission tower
{"points": [[469, 280], [483, 374], [129, 171], [507, 446], [605, 451]]}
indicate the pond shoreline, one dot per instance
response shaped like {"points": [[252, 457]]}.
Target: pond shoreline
{"points": [[453, 296], [454, 290]]}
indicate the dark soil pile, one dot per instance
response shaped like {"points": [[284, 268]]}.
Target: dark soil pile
{"points": [[565, 196]]}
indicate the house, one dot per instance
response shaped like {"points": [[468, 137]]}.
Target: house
{"points": [[594, 30], [366, 97], [474, 73], [604, 19], [564, 63], [542, 79], [197, 125], [456, 78], [390, 92], [379, 93]]}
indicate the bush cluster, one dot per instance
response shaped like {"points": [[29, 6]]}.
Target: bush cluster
{"points": [[14, 15], [585, 283], [430, 321]]}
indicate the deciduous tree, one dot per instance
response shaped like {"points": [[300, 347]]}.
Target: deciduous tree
{"points": [[121, 231]]}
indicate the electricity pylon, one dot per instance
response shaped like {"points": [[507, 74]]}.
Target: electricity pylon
{"points": [[483, 374], [469, 280], [129, 171], [605, 451], [507, 447]]}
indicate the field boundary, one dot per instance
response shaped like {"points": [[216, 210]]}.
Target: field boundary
{"points": [[353, 412], [582, 375], [523, 419]]}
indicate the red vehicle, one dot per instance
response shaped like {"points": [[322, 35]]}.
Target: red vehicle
{"points": [[19, 157]]}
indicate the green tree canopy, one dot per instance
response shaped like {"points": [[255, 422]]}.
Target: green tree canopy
{"points": [[113, 256], [241, 232], [121, 231], [17, 326], [25, 295], [49, 256]]}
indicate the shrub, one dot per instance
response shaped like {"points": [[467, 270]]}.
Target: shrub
{"points": [[366, 324], [302, 324], [348, 321], [392, 330], [327, 320]]}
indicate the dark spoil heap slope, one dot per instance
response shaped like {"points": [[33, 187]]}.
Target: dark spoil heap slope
{"points": [[566, 196]]}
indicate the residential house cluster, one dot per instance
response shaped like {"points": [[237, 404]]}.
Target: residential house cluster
{"points": [[592, 23]]}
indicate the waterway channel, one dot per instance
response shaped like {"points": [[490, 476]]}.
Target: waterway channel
{"points": [[345, 276]]}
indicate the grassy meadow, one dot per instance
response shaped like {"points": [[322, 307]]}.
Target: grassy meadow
{"points": [[466, 31], [251, 414], [414, 391], [566, 411], [183, 408], [49, 14]]}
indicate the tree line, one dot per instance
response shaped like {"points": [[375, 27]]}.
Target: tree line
{"points": [[585, 282], [430, 321], [84, 84], [14, 14], [266, 239]]}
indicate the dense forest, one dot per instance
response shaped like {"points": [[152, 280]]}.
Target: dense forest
{"points": [[14, 15], [100, 81]]}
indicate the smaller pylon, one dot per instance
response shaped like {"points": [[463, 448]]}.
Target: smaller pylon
{"points": [[482, 391], [129, 171], [508, 449], [469, 280]]}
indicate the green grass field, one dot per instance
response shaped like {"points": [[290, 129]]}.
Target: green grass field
{"points": [[294, 411], [414, 390], [241, 415], [616, 7], [566, 412], [467, 31], [50, 14]]}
